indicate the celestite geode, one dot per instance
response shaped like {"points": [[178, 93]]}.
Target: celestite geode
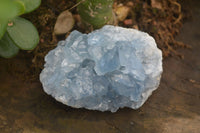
{"points": [[108, 69]]}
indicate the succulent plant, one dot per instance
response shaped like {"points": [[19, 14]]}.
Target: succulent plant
{"points": [[16, 32], [96, 13]]}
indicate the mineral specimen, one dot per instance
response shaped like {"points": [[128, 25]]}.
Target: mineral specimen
{"points": [[108, 69]]}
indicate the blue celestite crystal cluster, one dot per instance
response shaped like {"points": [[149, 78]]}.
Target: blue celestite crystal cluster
{"points": [[108, 69]]}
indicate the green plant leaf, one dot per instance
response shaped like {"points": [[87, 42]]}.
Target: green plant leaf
{"points": [[10, 9], [3, 26], [7, 47], [23, 33], [30, 5]]}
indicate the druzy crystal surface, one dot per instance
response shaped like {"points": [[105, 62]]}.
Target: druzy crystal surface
{"points": [[105, 70]]}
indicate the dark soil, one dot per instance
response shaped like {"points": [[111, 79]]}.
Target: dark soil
{"points": [[163, 24]]}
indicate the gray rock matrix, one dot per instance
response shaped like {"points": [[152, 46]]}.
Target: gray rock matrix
{"points": [[108, 69]]}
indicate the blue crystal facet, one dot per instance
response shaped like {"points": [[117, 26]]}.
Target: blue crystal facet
{"points": [[108, 69]]}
